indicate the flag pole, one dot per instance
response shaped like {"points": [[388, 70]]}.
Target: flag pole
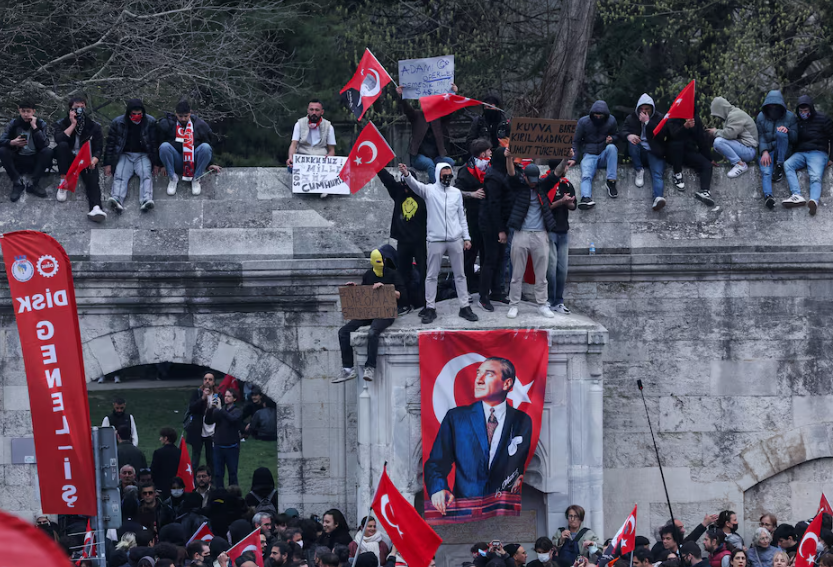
{"points": [[370, 508], [659, 463]]}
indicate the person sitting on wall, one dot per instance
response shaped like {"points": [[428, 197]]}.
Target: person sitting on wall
{"points": [[185, 148], [313, 135], [24, 148]]}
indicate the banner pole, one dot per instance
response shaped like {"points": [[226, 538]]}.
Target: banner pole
{"points": [[100, 532]]}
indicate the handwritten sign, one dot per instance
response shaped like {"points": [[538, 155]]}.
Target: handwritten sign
{"points": [[318, 174], [426, 77], [541, 138], [364, 302]]}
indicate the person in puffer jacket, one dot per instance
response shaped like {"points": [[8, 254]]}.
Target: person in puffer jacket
{"points": [[777, 133], [812, 150], [594, 143]]}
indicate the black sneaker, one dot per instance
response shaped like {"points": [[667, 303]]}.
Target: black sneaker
{"points": [[705, 197], [487, 305], [430, 316], [422, 311], [17, 190], [467, 314], [36, 190], [586, 203], [499, 298], [611, 189], [769, 202], [778, 174], [404, 310]]}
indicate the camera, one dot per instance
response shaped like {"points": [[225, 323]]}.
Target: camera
{"points": [[495, 543], [79, 111]]}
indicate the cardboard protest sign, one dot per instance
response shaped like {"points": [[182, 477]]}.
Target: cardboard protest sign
{"points": [[318, 174], [364, 302], [426, 77], [541, 138]]}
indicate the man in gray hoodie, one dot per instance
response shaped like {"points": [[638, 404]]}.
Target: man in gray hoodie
{"points": [[777, 133], [738, 139], [644, 148], [594, 142]]}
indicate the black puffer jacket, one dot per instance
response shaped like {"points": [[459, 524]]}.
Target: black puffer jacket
{"points": [[92, 132], [522, 193], [815, 133], [495, 209], [119, 129], [591, 137], [694, 139], [17, 126], [167, 131]]}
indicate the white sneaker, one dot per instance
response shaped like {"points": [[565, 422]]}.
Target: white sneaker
{"points": [[739, 169], [513, 312], [640, 178], [561, 308], [62, 195], [678, 181], [545, 311], [368, 373], [172, 185], [101, 379], [794, 201], [116, 379], [97, 215], [346, 374], [196, 189], [659, 203]]}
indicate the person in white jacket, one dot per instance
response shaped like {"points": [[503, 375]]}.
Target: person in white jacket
{"points": [[447, 233]]}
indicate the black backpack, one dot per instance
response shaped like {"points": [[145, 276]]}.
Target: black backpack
{"points": [[265, 504], [570, 549]]}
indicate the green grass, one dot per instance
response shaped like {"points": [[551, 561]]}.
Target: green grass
{"points": [[155, 408]]}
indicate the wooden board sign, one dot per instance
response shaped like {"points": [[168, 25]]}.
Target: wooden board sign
{"points": [[364, 302], [541, 138]]}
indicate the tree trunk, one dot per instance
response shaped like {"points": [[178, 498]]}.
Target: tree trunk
{"points": [[564, 75]]}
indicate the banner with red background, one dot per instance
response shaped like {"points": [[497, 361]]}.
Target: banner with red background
{"points": [[43, 298]]}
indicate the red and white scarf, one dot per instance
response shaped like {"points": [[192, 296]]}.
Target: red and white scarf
{"points": [[186, 136]]}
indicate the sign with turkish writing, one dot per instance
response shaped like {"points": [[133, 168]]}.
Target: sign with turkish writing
{"points": [[318, 174], [482, 395], [364, 302], [43, 297], [541, 138], [426, 77]]}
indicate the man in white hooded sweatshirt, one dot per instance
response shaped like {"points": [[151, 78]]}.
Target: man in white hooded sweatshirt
{"points": [[644, 149], [447, 233]]}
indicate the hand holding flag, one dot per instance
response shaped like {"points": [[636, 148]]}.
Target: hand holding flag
{"points": [[682, 107], [79, 164], [369, 155]]}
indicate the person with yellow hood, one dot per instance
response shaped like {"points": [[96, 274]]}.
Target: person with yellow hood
{"points": [[378, 275]]}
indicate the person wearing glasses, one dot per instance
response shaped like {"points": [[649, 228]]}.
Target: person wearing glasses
{"points": [[574, 541], [153, 513], [769, 521]]}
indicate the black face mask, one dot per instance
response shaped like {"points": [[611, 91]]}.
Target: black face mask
{"points": [[491, 115], [598, 121], [445, 179], [314, 118]]}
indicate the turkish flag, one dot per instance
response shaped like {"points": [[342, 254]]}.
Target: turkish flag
{"points": [[824, 505], [203, 533], [366, 85], [454, 430], [370, 154], [228, 382], [625, 538], [683, 107], [26, 544], [807, 549], [89, 549], [185, 471], [79, 164], [249, 543], [437, 106], [416, 542]]}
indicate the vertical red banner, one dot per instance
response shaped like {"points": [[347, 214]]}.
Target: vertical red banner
{"points": [[43, 298]]}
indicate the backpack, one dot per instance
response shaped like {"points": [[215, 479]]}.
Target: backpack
{"points": [[570, 550], [265, 504]]}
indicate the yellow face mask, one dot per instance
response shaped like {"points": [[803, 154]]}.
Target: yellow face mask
{"points": [[377, 262]]}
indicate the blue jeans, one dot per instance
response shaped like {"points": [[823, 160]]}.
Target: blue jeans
{"points": [[734, 151], [557, 268], [589, 164], [782, 142], [656, 165], [423, 163], [172, 159], [226, 457], [815, 162], [130, 164]]}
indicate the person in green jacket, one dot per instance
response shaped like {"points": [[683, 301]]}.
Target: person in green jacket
{"points": [[737, 141]]}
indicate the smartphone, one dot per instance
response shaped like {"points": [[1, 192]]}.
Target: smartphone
{"points": [[495, 543]]}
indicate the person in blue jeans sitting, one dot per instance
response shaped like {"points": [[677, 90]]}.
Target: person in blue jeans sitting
{"points": [[738, 138], [562, 197], [594, 142], [777, 132], [185, 148], [812, 150], [429, 140], [227, 418], [644, 149]]}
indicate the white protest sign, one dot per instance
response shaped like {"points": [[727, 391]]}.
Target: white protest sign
{"points": [[426, 77], [318, 174]]}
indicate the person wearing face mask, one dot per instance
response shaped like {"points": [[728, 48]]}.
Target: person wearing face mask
{"points": [[132, 149], [646, 149], [494, 214], [177, 498], [492, 125], [429, 140], [313, 135], [470, 180], [378, 275], [812, 150], [594, 143], [24, 148], [543, 553], [185, 148], [447, 233], [777, 133]]}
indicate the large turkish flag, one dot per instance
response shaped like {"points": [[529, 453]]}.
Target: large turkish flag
{"points": [[472, 470]]}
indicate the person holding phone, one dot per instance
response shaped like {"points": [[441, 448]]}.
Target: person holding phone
{"points": [[198, 433], [24, 148], [574, 541]]}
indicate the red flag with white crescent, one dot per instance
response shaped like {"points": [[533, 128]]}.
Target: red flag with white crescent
{"points": [[824, 505], [89, 549], [472, 470], [808, 548], [682, 107], [80, 163], [437, 106], [249, 543], [370, 154], [184, 470], [626, 537], [366, 85], [26, 544], [203, 533], [416, 542]]}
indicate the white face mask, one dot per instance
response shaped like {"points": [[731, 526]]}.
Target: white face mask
{"points": [[300, 543], [593, 549], [481, 164], [543, 557], [177, 492]]}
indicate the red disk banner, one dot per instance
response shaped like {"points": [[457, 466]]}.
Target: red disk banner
{"points": [[482, 398], [43, 297]]}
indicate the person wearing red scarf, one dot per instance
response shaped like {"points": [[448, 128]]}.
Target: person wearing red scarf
{"points": [[470, 182], [185, 149]]}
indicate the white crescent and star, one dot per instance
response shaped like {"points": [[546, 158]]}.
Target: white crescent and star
{"points": [[371, 92], [372, 147], [623, 531], [385, 503], [807, 537], [462, 100]]}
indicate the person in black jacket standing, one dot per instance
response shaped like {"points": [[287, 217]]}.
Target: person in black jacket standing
{"points": [[132, 149], [470, 179], [227, 418], [198, 434], [494, 213], [72, 132], [644, 148], [24, 148], [165, 461]]}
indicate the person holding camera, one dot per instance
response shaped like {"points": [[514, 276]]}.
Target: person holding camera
{"points": [[24, 148], [227, 417], [574, 541]]}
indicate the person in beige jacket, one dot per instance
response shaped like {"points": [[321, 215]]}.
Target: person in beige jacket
{"points": [[737, 141], [574, 541]]}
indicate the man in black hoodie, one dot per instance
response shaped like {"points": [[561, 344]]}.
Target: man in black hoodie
{"points": [[470, 180], [492, 125], [595, 144], [24, 148], [686, 143], [494, 214], [132, 149], [812, 150], [185, 148]]}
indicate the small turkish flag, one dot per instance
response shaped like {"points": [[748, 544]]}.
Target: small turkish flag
{"points": [[683, 107], [416, 542], [366, 85], [437, 106], [89, 549], [369, 155], [79, 164], [185, 471], [824, 505], [26, 544], [808, 548], [625, 537], [203, 533], [249, 543]]}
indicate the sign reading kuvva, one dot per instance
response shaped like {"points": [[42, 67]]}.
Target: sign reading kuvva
{"points": [[425, 77], [43, 298], [541, 138], [482, 396], [318, 174]]}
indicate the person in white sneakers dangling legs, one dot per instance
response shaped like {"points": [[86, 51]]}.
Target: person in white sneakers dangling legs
{"points": [[185, 149], [737, 141]]}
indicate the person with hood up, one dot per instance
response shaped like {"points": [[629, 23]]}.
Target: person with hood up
{"points": [[24, 148], [492, 125], [812, 150], [686, 143], [185, 147], [447, 233], [594, 144], [645, 148], [263, 491], [429, 140], [494, 214], [378, 275], [132, 149], [470, 180], [777, 133], [738, 139]]}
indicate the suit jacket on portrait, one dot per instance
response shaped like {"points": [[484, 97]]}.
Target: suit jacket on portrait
{"points": [[462, 441]]}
